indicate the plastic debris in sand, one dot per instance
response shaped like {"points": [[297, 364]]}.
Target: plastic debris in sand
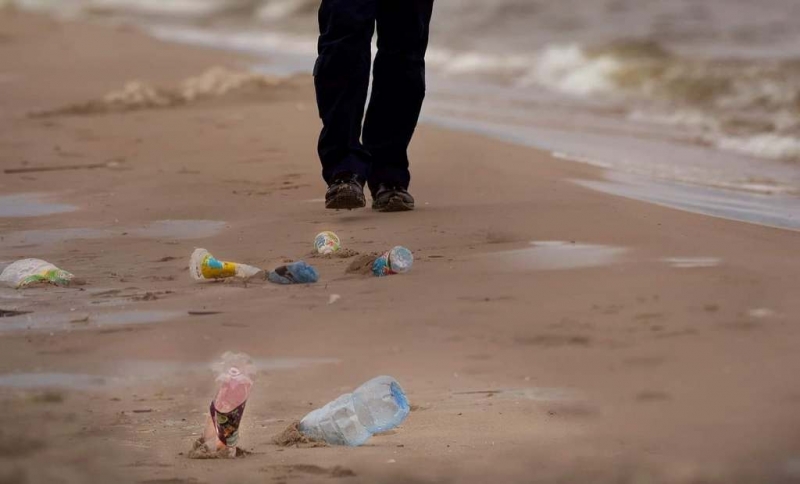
{"points": [[295, 273], [376, 406], [205, 267], [221, 433], [26, 272], [396, 261], [327, 243]]}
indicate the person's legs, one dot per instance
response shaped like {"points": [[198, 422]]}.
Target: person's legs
{"points": [[398, 89], [341, 79]]}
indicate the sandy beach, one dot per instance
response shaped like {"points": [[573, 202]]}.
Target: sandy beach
{"points": [[547, 333]]}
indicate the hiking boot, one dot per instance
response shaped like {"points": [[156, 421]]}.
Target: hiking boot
{"points": [[345, 193], [391, 198]]}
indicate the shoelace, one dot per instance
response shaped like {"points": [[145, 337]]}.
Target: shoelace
{"points": [[342, 183]]}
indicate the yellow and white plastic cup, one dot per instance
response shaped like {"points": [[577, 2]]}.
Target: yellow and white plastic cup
{"points": [[204, 267]]}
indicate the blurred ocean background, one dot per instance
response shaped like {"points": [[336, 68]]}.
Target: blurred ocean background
{"points": [[690, 103]]}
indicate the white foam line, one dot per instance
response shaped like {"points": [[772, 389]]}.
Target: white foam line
{"points": [[252, 41], [581, 159]]}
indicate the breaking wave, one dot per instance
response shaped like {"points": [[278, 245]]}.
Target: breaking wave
{"points": [[750, 107], [137, 95], [721, 69]]}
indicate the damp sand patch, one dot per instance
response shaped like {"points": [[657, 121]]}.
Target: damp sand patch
{"points": [[31, 205], [130, 373], [179, 229], [137, 95], [691, 262], [159, 229], [557, 255], [60, 321], [55, 381]]}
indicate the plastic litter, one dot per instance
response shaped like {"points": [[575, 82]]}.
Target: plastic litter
{"points": [[396, 261], [203, 266], [295, 273], [221, 433], [25, 272], [327, 243], [376, 406]]}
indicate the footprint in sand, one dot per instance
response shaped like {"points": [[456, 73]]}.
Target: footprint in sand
{"points": [[553, 340]]}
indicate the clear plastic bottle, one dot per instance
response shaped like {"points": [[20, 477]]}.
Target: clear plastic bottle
{"points": [[227, 408], [376, 406]]}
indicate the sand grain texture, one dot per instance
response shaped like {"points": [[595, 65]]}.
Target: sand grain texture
{"points": [[292, 437]]}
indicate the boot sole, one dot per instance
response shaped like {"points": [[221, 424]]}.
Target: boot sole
{"points": [[346, 201], [395, 204]]}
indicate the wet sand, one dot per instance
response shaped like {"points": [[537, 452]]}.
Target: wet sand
{"points": [[547, 333]]}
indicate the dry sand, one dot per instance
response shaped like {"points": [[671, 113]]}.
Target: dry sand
{"points": [[651, 346], [292, 437]]}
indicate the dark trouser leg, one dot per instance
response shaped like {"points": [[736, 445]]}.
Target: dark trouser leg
{"points": [[341, 79], [398, 88]]}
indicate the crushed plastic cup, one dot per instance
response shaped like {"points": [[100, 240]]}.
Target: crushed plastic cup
{"points": [[396, 261], [295, 273], [26, 272], [205, 267], [327, 243]]}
